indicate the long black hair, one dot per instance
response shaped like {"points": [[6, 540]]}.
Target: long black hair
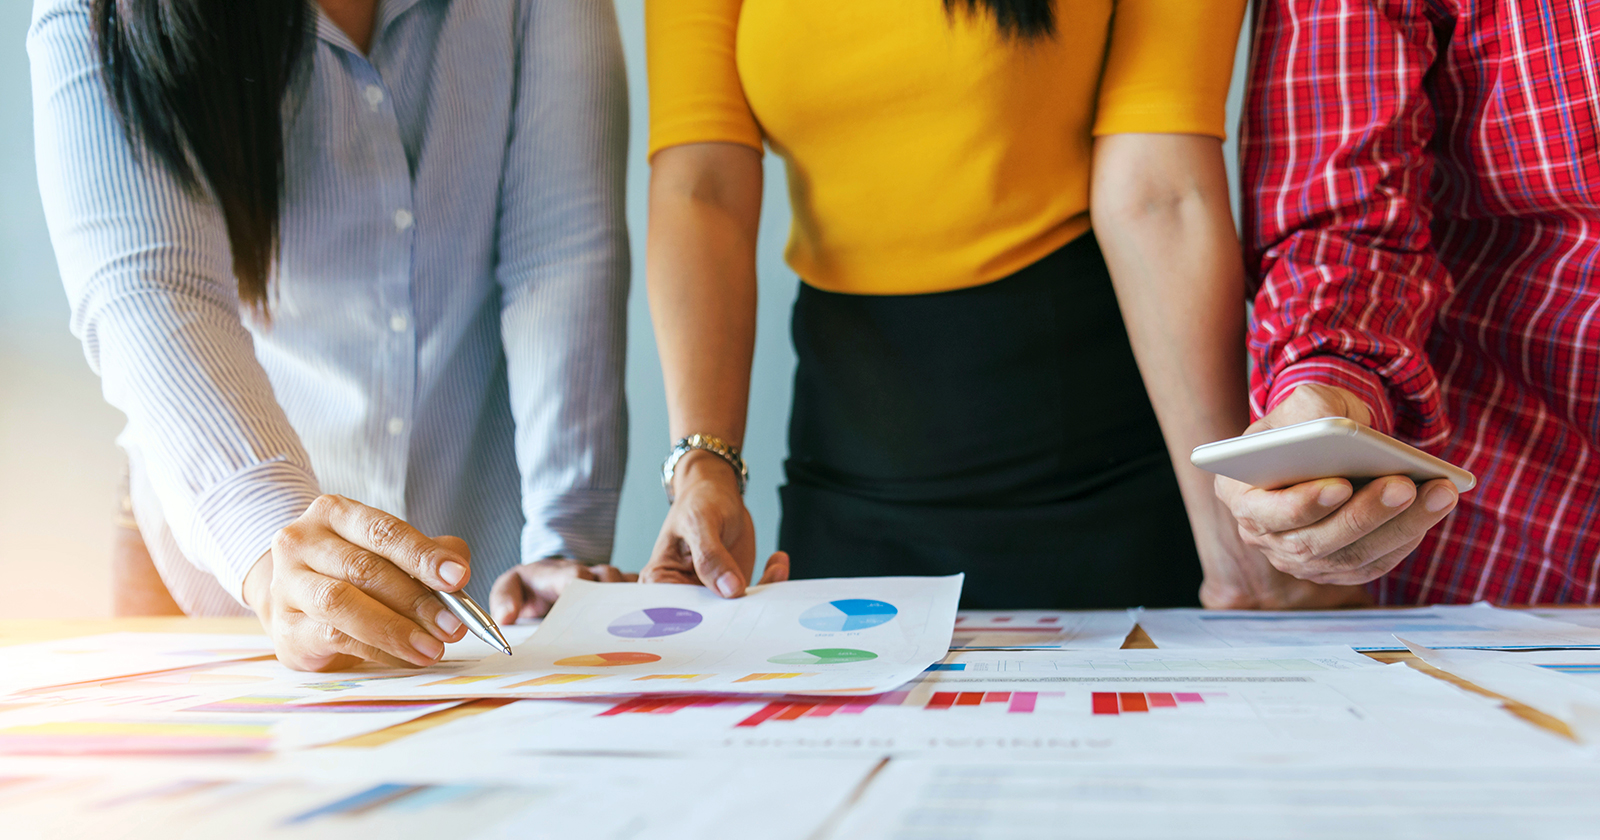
{"points": [[1023, 19], [199, 85]]}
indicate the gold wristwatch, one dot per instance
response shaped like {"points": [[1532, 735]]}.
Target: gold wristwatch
{"points": [[710, 443]]}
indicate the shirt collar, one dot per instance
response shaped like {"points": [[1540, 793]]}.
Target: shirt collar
{"points": [[389, 11]]}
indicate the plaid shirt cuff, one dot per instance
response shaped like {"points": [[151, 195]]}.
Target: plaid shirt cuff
{"points": [[1339, 373]]}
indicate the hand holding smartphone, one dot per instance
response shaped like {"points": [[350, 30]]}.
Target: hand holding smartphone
{"points": [[1325, 448]]}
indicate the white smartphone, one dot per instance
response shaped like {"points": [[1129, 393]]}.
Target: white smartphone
{"points": [[1325, 448]]}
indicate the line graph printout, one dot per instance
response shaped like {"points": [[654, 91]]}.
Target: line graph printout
{"points": [[1475, 626], [1039, 629], [929, 800], [845, 636], [1307, 705]]}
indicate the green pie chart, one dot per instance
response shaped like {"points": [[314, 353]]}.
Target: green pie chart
{"points": [[823, 656]]}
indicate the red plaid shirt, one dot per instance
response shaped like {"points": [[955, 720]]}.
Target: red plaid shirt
{"points": [[1422, 208]]}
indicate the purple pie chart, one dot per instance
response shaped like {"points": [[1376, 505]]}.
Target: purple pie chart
{"points": [[654, 622]]}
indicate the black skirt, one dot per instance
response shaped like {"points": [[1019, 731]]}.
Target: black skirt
{"points": [[1002, 431]]}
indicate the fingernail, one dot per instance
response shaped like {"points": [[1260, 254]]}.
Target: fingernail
{"points": [[427, 645], [447, 622], [452, 572], [1439, 498], [1334, 494], [1398, 493], [728, 584]]}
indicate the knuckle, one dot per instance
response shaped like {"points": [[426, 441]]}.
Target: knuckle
{"points": [[325, 505], [1297, 549], [287, 539], [326, 637], [361, 569], [329, 596], [1250, 525], [383, 531], [420, 601]]}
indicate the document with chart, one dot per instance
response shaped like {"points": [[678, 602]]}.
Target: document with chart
{"points": [[1042, 629], [845, 636], [1475, 626], [1322, 705]]}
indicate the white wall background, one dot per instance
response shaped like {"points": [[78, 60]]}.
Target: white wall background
{"points": [[58, 461]]}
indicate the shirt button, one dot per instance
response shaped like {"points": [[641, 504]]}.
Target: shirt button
{"points": [[396, 425], [374, 96], [403, 219], [397, 322]]}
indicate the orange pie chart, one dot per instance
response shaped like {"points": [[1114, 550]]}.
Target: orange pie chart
{"points": [[605, 660]]}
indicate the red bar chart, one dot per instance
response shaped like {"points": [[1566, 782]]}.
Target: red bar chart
{"points": [[1137, 702]]}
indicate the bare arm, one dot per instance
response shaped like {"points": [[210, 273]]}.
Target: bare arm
{"points": [[1160, 209], [705, 207]]}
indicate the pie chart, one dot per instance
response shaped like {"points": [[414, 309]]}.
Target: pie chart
{"points": [[607, 660], [823, 656], [656, 621], [847, 614]]}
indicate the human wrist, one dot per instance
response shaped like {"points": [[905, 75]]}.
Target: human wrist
{"points": [[1346, 387], [699, 467], [703, 447], [257, 588]]}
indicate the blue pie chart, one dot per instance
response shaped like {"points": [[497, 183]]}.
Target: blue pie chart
{"points": [[656, 621], [848, 614]]}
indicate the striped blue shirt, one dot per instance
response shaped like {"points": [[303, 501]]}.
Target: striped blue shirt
{"points": [[448, 318]]}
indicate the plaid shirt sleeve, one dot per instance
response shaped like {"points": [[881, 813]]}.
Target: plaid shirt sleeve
{"points": [[1336, 168]]}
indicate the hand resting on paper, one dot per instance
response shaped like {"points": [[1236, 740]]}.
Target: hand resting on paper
{"points": [[347, 582], [708, 537], [1326, 531], [530, 590]]}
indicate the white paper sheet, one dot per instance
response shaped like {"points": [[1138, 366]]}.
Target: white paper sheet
{"points": [[350, 795], [925, 800], [846, 635], [1581, 616], [1041, 629], [178, 710], [1164, 707], [118, 654], [1475, 626], [1564, 684]]}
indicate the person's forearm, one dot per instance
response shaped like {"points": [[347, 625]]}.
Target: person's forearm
{"points": [[1161, 213], [705, 205]]}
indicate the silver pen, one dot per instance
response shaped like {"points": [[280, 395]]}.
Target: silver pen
{"points": [[476, 618]]}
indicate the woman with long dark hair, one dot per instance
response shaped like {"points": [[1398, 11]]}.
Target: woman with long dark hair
{"points": [[1022, 299], [356, 274]]}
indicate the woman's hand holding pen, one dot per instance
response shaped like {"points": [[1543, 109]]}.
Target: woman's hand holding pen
{"points": [[347, 582], [709, 537]]}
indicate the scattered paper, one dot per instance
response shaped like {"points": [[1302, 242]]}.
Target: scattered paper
{"points": [[349, 795], [846, 635], [926, 800], [240, 707], [1581, 616], [1036, 629], [1475, 626], [1318, 704], [65, 661], [1564, 684]]}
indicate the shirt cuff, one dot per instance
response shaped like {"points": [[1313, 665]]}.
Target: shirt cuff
{"points": [[576, 524], [234, 523], [1339, 373]]}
